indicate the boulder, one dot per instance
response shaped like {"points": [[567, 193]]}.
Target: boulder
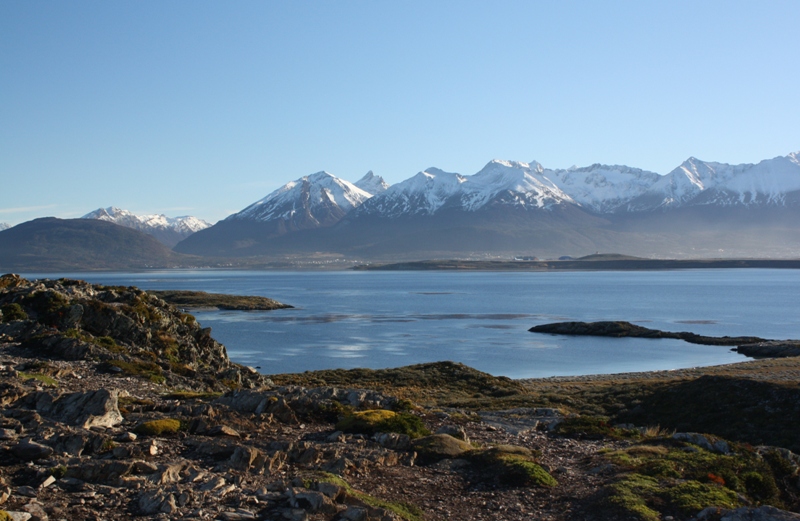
{"points": [[435, 447], [764, 513], [29, 450], [84, 409]]}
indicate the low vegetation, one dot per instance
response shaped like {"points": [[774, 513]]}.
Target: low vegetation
{"points": [[201, 299], [372, 421], [158, 427]]}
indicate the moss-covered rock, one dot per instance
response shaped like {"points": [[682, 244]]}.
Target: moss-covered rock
{"points": [[511, 465], [158, 427], [435, 447]]}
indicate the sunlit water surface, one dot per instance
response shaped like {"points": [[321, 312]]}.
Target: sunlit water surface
{"points": [[390, 319]]}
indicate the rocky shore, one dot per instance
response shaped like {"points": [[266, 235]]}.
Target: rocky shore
{"points": [[116, 405]]}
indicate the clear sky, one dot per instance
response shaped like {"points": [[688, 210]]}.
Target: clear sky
{"points": [[203, 107]]}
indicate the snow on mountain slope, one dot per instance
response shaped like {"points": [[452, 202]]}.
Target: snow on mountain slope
{"points": [[372, 184], [4, 226], [603, 188], [422, 194], [312, 201], [154, 223], [519, 184], [697, 182]]}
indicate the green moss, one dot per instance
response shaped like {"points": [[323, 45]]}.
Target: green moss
{"points": [[511, 465], [692, 496], [381, 420], [630, 493], [46, 380], [516, 470], [59, 471], [158, 427], [5, 516], [13, 312]]}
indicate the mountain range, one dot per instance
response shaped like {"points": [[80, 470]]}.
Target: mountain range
{"points": [[507, 209], [698, 209], [168, 230]]}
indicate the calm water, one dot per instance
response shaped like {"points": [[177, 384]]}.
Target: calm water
{"points": [[389, 319]]}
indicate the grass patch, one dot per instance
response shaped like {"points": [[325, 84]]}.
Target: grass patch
{"points": [[191, 395], [380, 420], [434, 384], [148, 370], [158, 427], [43, 378]]}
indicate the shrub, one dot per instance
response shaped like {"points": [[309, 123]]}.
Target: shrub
{"points": [[13, 312]]}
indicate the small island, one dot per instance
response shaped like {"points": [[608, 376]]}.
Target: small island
{"points": [[201, 299]]}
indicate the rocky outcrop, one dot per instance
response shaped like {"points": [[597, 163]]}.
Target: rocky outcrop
{"points": [[131, 330], [773, 349], [626, 329]]}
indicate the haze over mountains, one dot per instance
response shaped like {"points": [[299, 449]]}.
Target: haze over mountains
{"points": [[699, 210]]}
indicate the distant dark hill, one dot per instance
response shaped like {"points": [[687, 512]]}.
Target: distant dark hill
{"points": [[81, 244]]}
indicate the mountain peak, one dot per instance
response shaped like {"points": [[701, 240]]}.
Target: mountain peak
{"points": [[372, 184], [168, 230]]}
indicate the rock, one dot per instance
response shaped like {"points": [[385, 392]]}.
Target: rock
{"points": [[354, 514], [26, 491], [47, 482], [244, 457], [29, 450], [765, 513], [88, 409], [126, 437], [222, 430], [439, 446], [771, 349], [238, 515], [8, 434], [102, 472], [392, 440], [311, 501], [455, 431], [720, 446], [37, 512], [156, 501], [18, 516]]}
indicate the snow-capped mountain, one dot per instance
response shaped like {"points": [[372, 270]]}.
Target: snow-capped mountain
{"points": [[313, 201], [422, 194], [4, 226], [372, 184], [518, 207], [168, 230], [772, 182]]}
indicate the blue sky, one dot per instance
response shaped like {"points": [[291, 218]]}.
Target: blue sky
{"points": [[201, 108]]}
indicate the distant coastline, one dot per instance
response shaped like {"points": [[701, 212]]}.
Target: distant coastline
{"points": [[600, 262]]}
